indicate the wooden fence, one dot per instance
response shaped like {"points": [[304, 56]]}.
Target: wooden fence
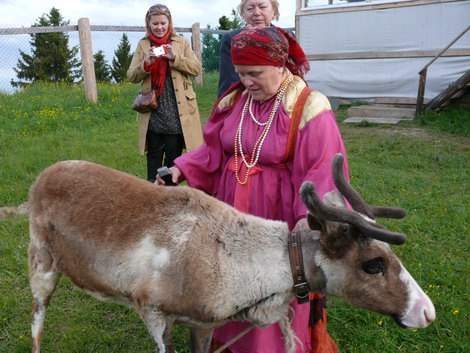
{"points": [[84, 30]]}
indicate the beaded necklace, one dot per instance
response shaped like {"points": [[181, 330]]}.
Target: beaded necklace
{"points": [[253, 116], [267, 125]]}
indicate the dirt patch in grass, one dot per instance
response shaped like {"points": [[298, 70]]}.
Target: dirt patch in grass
{"points": [[414, 132], [13, 210]]}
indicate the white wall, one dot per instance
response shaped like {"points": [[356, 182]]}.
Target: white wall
{"points": [[430, 26]]}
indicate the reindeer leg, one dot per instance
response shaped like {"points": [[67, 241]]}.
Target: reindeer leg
{"points": [[43, 279], [200, 340], [160, 328]]}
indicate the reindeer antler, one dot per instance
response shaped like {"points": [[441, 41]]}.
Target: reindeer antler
{"points": [[356, 200], [325, 212]]}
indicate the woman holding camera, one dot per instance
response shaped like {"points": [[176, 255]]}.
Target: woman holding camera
{"points": [[164, 62]]}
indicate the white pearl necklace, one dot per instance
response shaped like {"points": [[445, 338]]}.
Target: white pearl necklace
{"points": [[267, 125], [252, 115]]}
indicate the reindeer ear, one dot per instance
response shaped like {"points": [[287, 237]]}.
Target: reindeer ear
{"points": [[313, 223], [337, 239]]}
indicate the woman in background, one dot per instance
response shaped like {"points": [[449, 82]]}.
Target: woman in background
{"points": [[175, 123], [256, 13]]}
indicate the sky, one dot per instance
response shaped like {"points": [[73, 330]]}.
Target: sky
{"points": [[23, 13]]}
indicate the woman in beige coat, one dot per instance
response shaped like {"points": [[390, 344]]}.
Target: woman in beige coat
{"points": [[175, 122]]}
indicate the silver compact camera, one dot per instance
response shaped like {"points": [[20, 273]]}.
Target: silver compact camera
{"points": [[159, 51]]}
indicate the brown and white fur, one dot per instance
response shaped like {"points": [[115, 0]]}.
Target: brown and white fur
{"points": [[178, 255]]}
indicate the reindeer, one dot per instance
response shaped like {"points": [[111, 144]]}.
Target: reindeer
{"points": [[179, 255]]}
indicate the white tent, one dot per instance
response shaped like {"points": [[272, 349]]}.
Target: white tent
{"points": [[377, 48]]}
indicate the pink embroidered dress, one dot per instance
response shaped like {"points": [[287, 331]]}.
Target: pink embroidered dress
{"points": [[272, 190]]}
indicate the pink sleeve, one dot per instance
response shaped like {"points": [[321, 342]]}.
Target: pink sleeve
{"points": [[316, 145], [202, 167]]}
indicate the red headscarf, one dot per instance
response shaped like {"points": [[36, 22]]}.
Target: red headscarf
{"points": [[269, 46]]}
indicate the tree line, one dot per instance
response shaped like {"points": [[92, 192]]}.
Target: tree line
{"points": [[52, 60], [211, 44]]}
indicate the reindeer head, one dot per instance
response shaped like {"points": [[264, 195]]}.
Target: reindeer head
{"points": [[358, 264]]}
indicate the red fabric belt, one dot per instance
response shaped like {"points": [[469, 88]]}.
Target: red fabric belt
{"points": [[242, 192]]}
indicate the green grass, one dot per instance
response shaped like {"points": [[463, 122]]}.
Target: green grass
{"points": [[207, 95], [421, 166], [453, 120]]}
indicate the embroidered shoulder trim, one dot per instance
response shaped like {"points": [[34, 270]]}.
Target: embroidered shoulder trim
{"points": [[316, 103], [228, 99]]}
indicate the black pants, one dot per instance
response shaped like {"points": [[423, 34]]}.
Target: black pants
{"points": [[159, 146]]}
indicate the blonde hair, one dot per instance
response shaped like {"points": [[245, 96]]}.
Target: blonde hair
{"points": [[274, 4], [155, 10]]}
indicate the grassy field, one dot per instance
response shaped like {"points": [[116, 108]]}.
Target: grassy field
{"points": [[421, 166]]}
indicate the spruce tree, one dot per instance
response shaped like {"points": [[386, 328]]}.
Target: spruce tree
{"points": [[102, 68], [229, 24], [51, 60], [122, 60], [211, 43], [210, 51]]}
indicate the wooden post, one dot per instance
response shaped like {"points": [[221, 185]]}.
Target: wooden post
{"points": [[421, 89], [196, 42], [299, 5], [88, 66]]}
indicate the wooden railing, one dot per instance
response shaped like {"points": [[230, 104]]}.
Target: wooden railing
{"points": [[84, 30], [424, 70], [88, 69]]}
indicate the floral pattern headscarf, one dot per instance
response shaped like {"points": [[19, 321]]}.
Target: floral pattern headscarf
{"points": [[272, 46]]}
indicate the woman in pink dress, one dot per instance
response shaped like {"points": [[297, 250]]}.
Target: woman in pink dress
{"points": [[256, 155]]}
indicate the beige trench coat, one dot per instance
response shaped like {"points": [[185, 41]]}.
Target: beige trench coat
{"points": [[185, 65]]}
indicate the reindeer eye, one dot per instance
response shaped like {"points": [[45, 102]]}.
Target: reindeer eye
{"points": [[374, 266]]}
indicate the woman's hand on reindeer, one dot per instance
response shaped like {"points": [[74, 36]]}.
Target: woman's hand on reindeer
{"points": [[175, 176]]}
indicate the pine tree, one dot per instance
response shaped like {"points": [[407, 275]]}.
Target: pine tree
{"points": [[122, 60], [229, 24], [102, 68], [211, 43], [51, 60], [210, 51]]}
